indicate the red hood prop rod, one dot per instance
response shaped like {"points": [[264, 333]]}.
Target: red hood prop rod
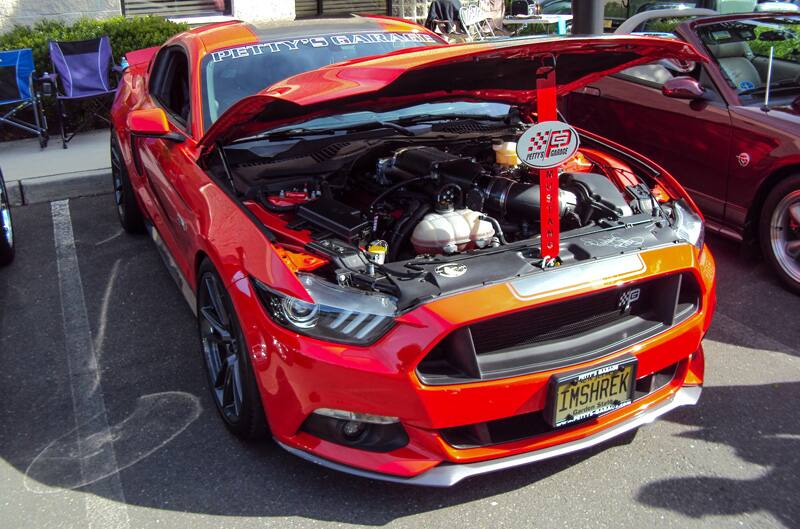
{"points": [[549, 217]]}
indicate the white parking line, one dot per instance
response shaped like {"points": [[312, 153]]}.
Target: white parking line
{"points": [[105, 500]]}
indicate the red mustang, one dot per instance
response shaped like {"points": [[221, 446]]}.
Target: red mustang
{"points": [[736, 150], [362, 245]]}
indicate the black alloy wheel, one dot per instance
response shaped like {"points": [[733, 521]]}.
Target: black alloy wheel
{"points": [[230, 374], [6, 225], [130, 216]]}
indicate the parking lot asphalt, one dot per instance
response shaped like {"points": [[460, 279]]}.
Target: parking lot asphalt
{"points": [[105, 420]]}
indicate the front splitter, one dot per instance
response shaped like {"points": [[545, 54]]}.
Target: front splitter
{"points": [[448, 474]]}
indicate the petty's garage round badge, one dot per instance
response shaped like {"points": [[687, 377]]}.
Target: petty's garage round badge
{"points": [[547, 144]]}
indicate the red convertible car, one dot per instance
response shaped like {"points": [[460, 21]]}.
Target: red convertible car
{"points": [[728, 129], [343, 204]]}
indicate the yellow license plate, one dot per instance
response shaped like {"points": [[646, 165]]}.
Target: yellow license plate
{"points": [[581, 395]]}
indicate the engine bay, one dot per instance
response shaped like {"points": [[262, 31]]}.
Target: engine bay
{"points": [[376, 211]]}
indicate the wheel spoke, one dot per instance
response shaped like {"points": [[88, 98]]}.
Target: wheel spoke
{"points": [[236, 379], [223, 374], [212, 360], [793, 248], [794, 212], [220, 330], [229, 392], [216, 301]]}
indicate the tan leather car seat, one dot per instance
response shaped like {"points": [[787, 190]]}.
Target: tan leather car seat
{"points": [[735, 59]]}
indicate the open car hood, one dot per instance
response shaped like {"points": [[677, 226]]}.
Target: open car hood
{"points": [[504, 71]]}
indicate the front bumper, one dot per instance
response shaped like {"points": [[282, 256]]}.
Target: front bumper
{"points": [[446, 475], [297, 375]]}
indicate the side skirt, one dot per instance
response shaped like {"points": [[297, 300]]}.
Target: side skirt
{"points": [[172, 267]]}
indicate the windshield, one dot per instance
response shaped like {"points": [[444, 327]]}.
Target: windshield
{"points": [[450, 109], [742, 48], [234, 73]]}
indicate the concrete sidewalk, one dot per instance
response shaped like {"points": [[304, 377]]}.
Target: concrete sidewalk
{"points": [[40, 175]]}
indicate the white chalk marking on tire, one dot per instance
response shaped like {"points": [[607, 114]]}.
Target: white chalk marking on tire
{"points": [[105, 500]]}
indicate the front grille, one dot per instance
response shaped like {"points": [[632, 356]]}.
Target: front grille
{"points": [[562, 333], [528, 425], [551, 322]]}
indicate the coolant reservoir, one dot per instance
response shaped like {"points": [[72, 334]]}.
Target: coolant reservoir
{"points": [[505, 153], [451, 231]]}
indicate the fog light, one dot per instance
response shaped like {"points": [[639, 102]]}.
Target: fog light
{"points": [[375, 433], [354, 429]]}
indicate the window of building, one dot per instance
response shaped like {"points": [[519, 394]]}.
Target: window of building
{"points": [[313, 8], [176, 8]]}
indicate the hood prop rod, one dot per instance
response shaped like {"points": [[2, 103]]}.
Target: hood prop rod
{"points": [[549, 215]]}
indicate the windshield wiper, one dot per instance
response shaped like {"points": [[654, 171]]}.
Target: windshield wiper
{"points": [[303, 132]]}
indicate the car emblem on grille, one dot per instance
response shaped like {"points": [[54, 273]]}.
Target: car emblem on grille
{"points": [[629, 297], [451, 270]]}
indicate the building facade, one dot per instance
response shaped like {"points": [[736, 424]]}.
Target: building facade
{"points": [[201, 11]]}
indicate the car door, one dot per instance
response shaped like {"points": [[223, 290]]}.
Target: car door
{"points": [[167, 165], [691, 139]]}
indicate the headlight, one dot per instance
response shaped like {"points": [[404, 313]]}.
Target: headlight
{"points": [[339, 314], [688, 224]]}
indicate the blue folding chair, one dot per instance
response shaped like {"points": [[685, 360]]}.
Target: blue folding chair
{"points": [[82, 69], [18, 90]]}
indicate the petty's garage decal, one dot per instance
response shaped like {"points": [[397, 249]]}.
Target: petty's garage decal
{"points": [[547, 144], [350, 39]]}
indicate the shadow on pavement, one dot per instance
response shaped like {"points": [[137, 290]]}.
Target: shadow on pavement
{"points": [[760, 424]]}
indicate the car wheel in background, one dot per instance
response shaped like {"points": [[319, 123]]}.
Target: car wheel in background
{"points": [[230, 375], [6, 227], [130, 216], [779, 229]]}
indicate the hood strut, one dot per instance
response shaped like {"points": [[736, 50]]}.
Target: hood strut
{"points": [[549, 213]]}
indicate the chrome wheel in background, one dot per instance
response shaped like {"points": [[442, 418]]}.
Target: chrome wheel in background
{"points": [[785, 234], [779, 230]]}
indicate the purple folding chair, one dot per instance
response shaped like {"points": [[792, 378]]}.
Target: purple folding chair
{"points": [[82, 70]]}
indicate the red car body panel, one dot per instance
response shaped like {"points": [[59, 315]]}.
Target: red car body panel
{"points": [[699, 141], [296, 374]]}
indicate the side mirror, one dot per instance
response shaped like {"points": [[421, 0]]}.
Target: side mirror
{"points": [[151, 123], [683, 87]]}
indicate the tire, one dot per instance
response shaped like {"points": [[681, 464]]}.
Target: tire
{"points": [[130, 216], [230, 375], [779, 231], [6, 226]]}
